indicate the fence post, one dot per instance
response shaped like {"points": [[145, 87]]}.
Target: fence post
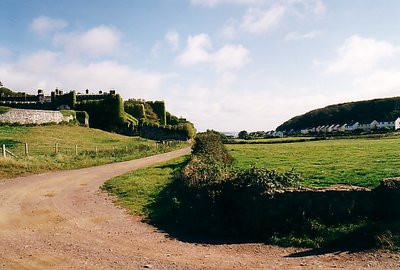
{"points": [[4, 150], [96, 150], [56, 148], [76, 149], [26, 149]]}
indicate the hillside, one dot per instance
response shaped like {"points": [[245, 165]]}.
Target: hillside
{"points": [[107, 111], [368, 110], [76, 147]]}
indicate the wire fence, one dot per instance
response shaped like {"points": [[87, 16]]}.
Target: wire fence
{"points": [[22, 150]]}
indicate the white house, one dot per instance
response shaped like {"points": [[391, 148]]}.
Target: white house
{"points": [[308, 130], [278, 134], [386, 124], [323, 129], [342, 128], [304, 131], [368, 125], [352, 126], [397, 123]]}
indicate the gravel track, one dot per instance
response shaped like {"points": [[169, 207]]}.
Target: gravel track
{"points": [[61, 220]]}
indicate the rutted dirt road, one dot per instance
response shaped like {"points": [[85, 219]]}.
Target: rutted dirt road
{"points": [[61, 220]]}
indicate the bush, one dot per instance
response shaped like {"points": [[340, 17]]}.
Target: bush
{"points": [[209, 145]]}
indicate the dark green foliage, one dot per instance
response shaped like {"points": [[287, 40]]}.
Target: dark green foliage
{"points": [[159, 109], [209, 145], [377, 109], [4, 109], [136, 110], [148, 116], [82, 117], [6, 92], [172, 119], [154, 131], [107, 114], [264, 181], [243, 134], [68, 99]]}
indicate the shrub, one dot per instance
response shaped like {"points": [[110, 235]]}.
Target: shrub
{"points": [[209, 145]]}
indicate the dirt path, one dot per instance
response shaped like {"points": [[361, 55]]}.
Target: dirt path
{"points": [[61, 220]]}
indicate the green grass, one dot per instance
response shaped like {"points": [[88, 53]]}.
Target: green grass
{"points": [[274, 140], [4, 109], [137, 190], [362, 162], [41, 141]]}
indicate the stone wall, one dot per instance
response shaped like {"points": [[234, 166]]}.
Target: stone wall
{"points": [[21, 116]]}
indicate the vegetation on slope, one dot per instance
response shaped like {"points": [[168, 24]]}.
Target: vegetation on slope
{"points": [[94, 147], [377, 109]]}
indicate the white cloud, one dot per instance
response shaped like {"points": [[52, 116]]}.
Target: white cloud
{"points": [[380, 83], [358, 55], [212, 107], [172, 37], [229, 30], [48, 70], [98, 41], [294, 36], [229, 57], [262, 16], [258, 20], [44, 25], [196, 50]]}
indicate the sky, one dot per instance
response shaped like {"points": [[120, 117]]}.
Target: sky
{"points": [[227, 65]]}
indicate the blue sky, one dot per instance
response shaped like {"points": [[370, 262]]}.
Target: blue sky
{"points": [[228, 65]]}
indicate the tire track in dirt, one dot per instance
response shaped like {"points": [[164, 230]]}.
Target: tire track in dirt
{"points": [[61, 220]]}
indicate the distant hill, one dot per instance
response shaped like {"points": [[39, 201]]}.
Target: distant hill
{"points": [[361, 111]]}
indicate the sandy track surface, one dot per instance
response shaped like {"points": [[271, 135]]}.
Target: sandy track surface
{"points": [[61, 220]]}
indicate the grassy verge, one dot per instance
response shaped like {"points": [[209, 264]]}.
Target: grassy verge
{"points": [[4, 109], [94, 147], [138, 190], [362, 162]]}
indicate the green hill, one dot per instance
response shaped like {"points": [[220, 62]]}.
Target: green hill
{"points": [[56, 147], [360, 111]]}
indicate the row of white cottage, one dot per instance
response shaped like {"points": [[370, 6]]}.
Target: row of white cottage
{"points": [[388, 124]]}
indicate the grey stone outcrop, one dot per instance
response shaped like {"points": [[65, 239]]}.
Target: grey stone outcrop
{"points": [[22, 116]]}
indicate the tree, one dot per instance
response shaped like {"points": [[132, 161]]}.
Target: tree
{"points": [[243, 134]]}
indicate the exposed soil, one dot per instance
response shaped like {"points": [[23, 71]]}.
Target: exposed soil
{"points": [[61, 220]]}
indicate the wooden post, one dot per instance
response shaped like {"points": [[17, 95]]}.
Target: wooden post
{"points": [[76, 149], [4, 151], [56, 148], [26, 149], [126, 148], [96, 150]]}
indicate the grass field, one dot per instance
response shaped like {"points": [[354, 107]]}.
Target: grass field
{"points": [[362, 162], [94, 147], [138, 189]]}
